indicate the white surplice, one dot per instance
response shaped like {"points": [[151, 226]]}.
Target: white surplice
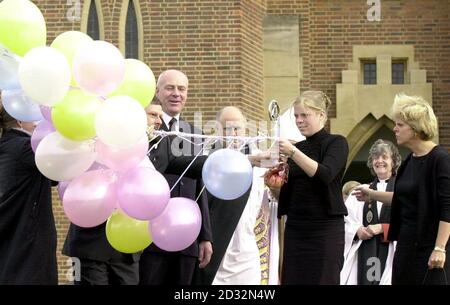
{"points": [[241, 262], [353, 221]]}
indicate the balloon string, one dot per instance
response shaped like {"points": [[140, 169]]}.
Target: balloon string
{"points": [[156, 144], [204, 186], [190, 164], [190, 135]]}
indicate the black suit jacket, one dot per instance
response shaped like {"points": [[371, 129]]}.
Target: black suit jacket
{"points": [[27, 226], [171, 158]]}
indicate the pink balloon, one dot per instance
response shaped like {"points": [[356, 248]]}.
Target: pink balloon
{"points": [[42, 129], [90, 198], [142, 193], [61, 188], [98, 67], [95, 166], [178, 226], [46, 112], [121, 159], [146, 163]]}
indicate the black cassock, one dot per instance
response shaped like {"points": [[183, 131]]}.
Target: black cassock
{"points": [[374, 247]]}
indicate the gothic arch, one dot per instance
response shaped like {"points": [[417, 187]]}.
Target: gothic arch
{"points": [[122, 26], [363, 131], [85, 17]]}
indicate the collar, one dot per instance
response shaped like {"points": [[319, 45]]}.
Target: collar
{"points": [[22, 130], [166, 118], [318, 135]]}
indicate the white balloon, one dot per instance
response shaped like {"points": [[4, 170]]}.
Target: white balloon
{"points": [[98, 67], [227, 174], [44, 75], [121, 121], [61, 159]]}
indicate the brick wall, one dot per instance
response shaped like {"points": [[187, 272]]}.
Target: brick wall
{"points": [[219, 46], [329, 29]]}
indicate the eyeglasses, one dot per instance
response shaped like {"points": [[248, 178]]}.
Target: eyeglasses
{"points": [[232, 129]]}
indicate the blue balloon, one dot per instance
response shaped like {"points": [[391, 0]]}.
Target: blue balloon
{"points": [[9, 66], [227, 174], [21, 107]]}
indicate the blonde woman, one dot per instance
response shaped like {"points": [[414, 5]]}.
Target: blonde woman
{"points": [[312, 198], [420, 213]]}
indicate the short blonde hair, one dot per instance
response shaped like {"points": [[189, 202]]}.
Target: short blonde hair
{"points": [[349, 186], [313, 99], [417, 113]]}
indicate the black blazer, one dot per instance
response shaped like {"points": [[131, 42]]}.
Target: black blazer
{"points": [[167, 160], [433, 201], [27, 226]]}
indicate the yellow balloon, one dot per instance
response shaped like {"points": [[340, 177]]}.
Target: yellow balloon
{"points": [[22, 26], [74, 116], [138, 83], [68, 43], [126, 234]]}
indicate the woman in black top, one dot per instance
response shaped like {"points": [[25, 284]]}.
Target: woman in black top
{"points": [[311, 198], [27, 227], [420, 212]]}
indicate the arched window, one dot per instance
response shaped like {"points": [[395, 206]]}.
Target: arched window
{"points": [[131, 33], [93, 28]]}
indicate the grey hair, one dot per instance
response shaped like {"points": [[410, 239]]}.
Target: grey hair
{"points": [[384, 147]]}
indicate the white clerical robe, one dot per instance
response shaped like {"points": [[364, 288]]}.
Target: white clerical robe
{"points": [[241, 263], [353, 221]]}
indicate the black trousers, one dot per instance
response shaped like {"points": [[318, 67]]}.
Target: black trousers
{"points": [[108, 273], [173, 268]]}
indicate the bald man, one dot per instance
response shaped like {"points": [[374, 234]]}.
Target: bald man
{"points": [[235, 260], [156, 265]]}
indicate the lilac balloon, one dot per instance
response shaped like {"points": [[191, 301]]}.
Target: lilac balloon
{"points": [[121, 159], [142, 193], [42, 129], [61, 188], [46, 112], [178, 226], [90, 198]]}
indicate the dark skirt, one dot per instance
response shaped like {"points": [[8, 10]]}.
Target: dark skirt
{"points": [[410, 265], [313, 252]]}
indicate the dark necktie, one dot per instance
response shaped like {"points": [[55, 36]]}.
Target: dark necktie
{"points": [[172, 124]]}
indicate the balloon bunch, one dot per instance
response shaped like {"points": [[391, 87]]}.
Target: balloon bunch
{"points": [[91, 136]]}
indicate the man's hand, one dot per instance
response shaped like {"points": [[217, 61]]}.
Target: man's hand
{"points": [[205, 252]]}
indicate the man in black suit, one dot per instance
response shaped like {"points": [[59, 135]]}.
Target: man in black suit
{"points": [[158, 266], [100, 263]]}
